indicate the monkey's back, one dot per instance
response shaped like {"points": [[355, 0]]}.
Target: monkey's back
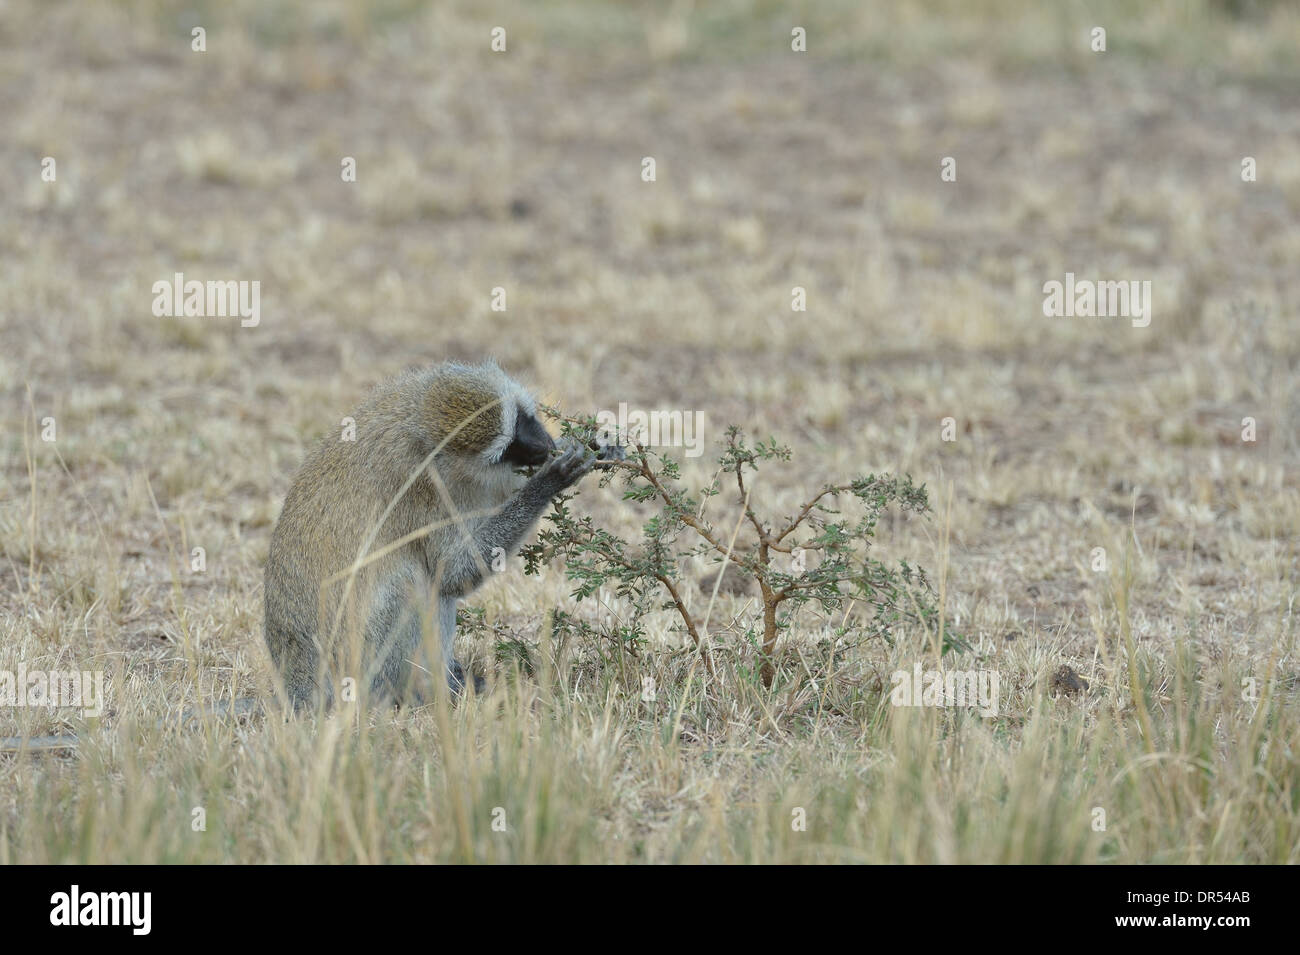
{"points": [[336, 499]]}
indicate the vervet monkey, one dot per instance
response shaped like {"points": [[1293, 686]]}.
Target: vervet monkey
{"points": [[382, 535]]}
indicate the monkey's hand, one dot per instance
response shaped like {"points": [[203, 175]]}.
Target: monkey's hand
{"points": [[607, 455], [567, 469]]}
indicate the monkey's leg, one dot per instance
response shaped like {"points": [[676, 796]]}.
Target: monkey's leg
{"points": [[410, 658], [293, 651], [393, 640], [447, 637]]}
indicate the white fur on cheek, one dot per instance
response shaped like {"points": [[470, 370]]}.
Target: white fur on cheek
{"points": [[509, 415], [522, 399]]}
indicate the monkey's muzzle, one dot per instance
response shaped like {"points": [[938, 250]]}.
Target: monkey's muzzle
{"points": [[531, 445]]}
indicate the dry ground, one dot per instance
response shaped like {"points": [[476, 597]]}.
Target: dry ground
{"points": [[774, 169]]}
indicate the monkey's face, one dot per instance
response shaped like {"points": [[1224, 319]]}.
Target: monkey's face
{"points": [[530, 445]]}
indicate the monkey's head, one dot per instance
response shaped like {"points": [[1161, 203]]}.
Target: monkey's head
{"points": [[488, 418]]}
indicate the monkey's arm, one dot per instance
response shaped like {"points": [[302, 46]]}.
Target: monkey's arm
{"points": [[505, 530]]}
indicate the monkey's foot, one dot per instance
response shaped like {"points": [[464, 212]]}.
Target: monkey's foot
{"points": [[456, 680]]}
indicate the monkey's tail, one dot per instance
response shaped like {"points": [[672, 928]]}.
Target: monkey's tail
{"points": [[189, 718]]}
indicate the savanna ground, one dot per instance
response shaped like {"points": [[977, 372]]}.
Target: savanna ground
{"points": [[775, 169]]}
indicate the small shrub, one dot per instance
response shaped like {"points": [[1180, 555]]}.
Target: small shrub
{"points": [[817, 557]]}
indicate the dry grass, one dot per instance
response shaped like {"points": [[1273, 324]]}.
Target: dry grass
{"points": [[775, 169]]}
